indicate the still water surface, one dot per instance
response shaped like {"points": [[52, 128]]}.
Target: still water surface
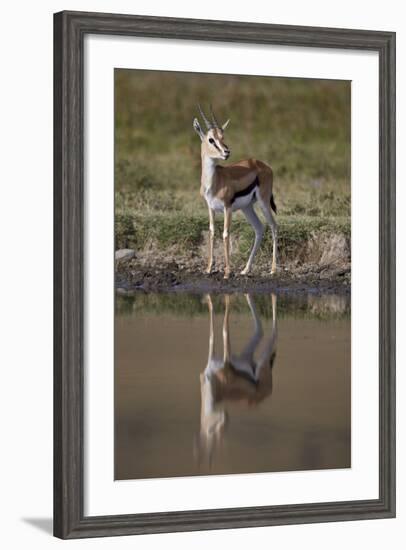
{"points": [[239, 384]]}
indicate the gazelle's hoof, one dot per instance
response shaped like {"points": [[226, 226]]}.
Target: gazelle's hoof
{"points": [[273, 271], [245, 272], [226, 275]]}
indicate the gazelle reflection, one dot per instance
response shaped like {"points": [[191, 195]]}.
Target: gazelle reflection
{"points": [[232, 377]]}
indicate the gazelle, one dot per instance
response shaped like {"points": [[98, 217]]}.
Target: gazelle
{"points": [[234, 377], [234, 187]]}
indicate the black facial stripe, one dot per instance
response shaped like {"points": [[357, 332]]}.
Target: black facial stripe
{"points": [[246, 191], [216, 146]]}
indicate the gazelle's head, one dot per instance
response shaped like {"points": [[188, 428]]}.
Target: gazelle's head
{"points": [[213, 140]]}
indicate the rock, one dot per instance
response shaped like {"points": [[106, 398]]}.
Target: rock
{"points": [[124, 254]]}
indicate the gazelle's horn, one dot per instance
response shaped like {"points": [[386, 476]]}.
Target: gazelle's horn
{"points": [[206, 120], [213, 116]]}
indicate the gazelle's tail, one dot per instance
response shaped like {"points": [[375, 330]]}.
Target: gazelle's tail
{"points": [[273, 205]]}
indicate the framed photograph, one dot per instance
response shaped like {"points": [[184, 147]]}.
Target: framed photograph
{"points": [[224, 275]]}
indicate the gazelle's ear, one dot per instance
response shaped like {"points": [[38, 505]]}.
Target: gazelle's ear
{"points": [[198, 129], [225, 124]]}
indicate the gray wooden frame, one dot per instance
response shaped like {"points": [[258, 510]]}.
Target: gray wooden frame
{"points": [[69, 31]]}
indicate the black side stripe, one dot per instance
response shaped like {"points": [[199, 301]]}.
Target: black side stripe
{"points": [[273, 205], [246, 191]]}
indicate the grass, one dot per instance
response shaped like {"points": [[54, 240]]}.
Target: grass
{"points": [[139, 230], [301, 127]]}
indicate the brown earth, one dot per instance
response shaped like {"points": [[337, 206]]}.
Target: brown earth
{"points": [[321, 263], [171, 276]]}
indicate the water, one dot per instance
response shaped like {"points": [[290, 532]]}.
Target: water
{"points": [[225, 385]]}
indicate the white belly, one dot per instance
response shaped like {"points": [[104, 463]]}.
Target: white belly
{"points": [[240, 202]]}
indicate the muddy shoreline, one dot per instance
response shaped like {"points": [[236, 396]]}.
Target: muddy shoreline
{"points": [[171, 277]]}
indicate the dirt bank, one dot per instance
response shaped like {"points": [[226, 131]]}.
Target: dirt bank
{"points": [[315, 261], [173, 277]]}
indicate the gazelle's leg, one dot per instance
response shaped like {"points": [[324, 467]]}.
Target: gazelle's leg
{"points": [[253, 219], [226, 239], [245, 360], [226, 331], [212, 417], [211, 240], [270, 344], [266, 209], [211, 321], [249, 350], [274, 311]]}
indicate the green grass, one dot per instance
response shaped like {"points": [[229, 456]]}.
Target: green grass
{"points": [[301, 127], [138, 230]]}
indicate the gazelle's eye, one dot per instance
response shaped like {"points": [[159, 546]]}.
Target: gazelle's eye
{"points": [[211, 140]]}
